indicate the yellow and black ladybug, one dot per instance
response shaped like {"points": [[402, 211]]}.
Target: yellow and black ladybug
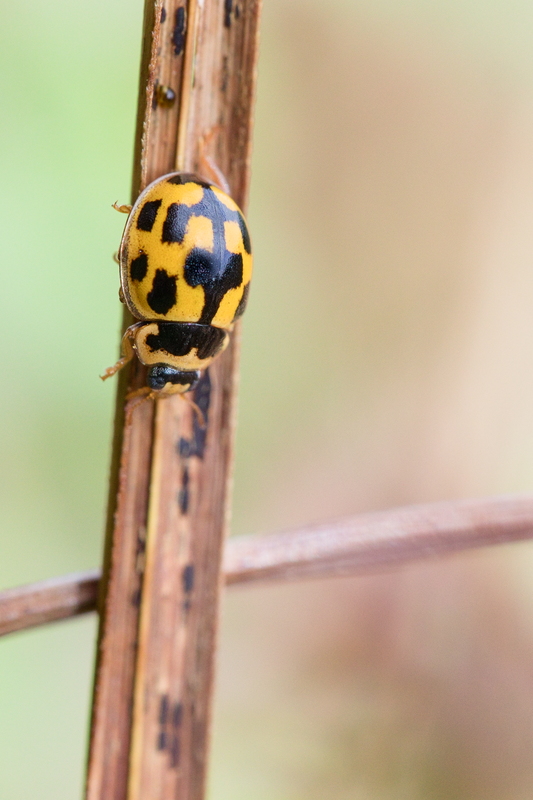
{"points": [[185, 268]]}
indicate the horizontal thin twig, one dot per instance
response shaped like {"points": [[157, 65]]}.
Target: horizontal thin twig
{"points": [[380, 539], [58, 598], [345, 547]]}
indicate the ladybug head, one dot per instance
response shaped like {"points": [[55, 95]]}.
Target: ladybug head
{"points": [[166, 379]]}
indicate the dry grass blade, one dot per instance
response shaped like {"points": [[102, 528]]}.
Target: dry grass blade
{"points": [[345, 547], [380, 539], [47, 601], [162, 570]]}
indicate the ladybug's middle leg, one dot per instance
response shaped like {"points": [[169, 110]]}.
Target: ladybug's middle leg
{"points": [[127, 350]]}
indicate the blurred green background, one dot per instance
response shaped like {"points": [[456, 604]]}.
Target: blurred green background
{"points": [[387, 359]]}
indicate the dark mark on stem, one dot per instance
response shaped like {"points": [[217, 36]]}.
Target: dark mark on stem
{"points": [[177, 715], [163, 709], [165, 737], [188, 578], [175, 752], [224, 74], [202, 397], [183, 494], [140, 550], [228, 4], [178, 34]]}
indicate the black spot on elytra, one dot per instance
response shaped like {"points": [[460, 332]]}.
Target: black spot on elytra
{"points": [[199, 272], [163, 294], [245, 235], [181, 178], [178, 34], [195, 446], [242, 302], [177, 219], [163, 14], [199, 268], [175, 224], [147, 215], [139, 267], [187, 578], [179, 338], [228, 5], [219, 270]]}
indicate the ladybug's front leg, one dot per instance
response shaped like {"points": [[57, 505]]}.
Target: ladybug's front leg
{"points": [[124, 209], [127, 350]]}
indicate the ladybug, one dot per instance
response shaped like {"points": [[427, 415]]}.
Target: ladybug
{"points": [[185, 267]]}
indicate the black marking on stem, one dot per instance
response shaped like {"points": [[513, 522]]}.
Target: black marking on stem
{"points": [[183, 494], [187, 577], [164, 708], [228, 5], [202, 397], [178, 34], [177, 715], [174, 752]]}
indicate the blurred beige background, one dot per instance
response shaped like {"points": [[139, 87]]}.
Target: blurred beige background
{"points": [[387, 359]]}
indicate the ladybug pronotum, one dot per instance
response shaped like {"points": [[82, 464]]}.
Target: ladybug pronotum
{"points": [[185, 268]]}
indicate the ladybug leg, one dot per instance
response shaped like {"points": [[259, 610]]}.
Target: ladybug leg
{"points": [[188, 399], [139, 396], [125, 209], [197, 410], [127, 352], [206, 163], [145, 392]]}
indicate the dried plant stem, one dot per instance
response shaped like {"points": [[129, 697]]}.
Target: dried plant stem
{"points": [[345, 547], [170, 478], [379, 540], [47, 601]]}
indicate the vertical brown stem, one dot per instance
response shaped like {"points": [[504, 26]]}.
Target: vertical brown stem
{"points": [[170, 478]]}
